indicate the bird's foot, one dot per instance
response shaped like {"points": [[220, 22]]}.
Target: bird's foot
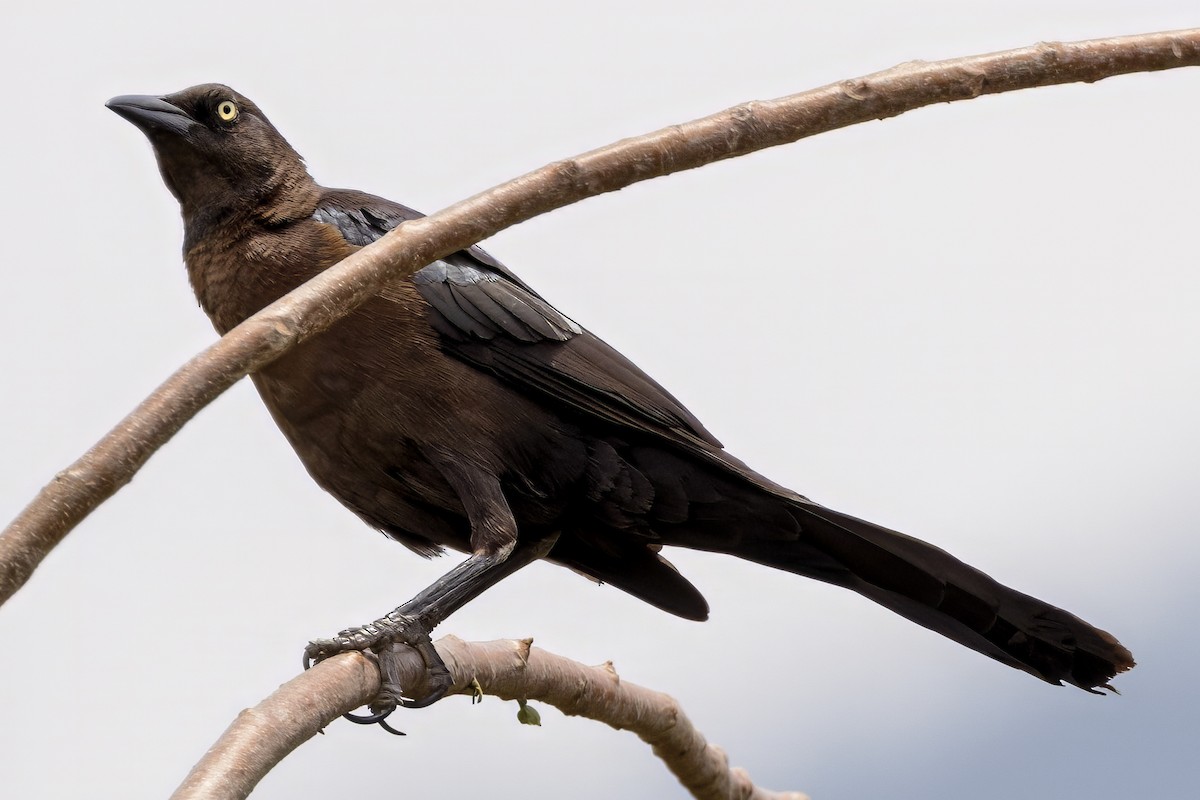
{"points": [[382, 638]]}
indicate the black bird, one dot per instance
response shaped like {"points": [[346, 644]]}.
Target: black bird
{"points": [[459, 409]]}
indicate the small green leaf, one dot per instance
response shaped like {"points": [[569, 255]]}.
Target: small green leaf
{"points": [[527, 714]]}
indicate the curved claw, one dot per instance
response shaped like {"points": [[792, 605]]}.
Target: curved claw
{"points": [[437, 694], [318, 650], [383, 724], [369, 719], [375, 718]]}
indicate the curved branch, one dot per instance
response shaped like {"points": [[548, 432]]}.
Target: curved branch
{"points": [[510, 669], [111, 463]]}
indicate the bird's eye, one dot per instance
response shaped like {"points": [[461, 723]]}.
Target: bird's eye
{"points": [[227, 110]]}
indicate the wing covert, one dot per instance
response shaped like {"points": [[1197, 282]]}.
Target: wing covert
{"points": [[490, 318]]}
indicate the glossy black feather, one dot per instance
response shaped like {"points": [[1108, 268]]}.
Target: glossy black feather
{"points": [[492, 319]]}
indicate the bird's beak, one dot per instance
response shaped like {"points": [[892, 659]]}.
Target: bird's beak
{"points": [[151, 114]]}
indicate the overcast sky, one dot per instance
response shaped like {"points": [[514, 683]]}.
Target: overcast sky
{"points": [[976, 323]]}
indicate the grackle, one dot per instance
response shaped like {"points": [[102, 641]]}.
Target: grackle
{"points": [[457, 408]]}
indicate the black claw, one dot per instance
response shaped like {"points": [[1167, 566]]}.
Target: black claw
{"points": [[318, 650], [369, 719], [376, 718], [383, 724], [428, 700]]}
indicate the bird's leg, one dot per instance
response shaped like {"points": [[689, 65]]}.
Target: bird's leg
{"points": [[497, 552], [412, 622]]}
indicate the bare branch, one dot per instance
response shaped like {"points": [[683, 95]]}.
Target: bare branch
{"points": [[509, 669], [262, 736], [755, 125]]}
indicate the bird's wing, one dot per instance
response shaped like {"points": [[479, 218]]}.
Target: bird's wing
{"points": [[490, 318]]}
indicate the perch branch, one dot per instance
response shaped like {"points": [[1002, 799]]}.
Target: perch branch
{"points": [[509, 669]]}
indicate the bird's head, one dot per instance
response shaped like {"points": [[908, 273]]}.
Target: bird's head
{"points": [[217, 151]]}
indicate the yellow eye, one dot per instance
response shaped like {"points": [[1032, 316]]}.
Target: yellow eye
{"points": [[227, 110]]}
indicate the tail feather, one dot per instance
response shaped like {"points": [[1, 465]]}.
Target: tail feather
{"points": [[632, 566], [648, 496], [936, 590]]}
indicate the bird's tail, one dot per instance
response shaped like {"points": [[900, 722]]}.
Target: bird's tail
{"points": [[934, 589]]}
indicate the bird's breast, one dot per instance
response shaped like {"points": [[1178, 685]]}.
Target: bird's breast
{"points": [[367, 401]]}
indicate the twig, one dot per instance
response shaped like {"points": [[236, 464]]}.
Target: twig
{"points": [[509, 669], [111, 463]]}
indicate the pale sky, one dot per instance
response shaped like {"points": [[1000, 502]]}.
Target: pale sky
{"points": [[976, 323]]}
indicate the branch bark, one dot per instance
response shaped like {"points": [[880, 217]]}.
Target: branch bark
{"points": [[112, 462], [510, 669]]}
